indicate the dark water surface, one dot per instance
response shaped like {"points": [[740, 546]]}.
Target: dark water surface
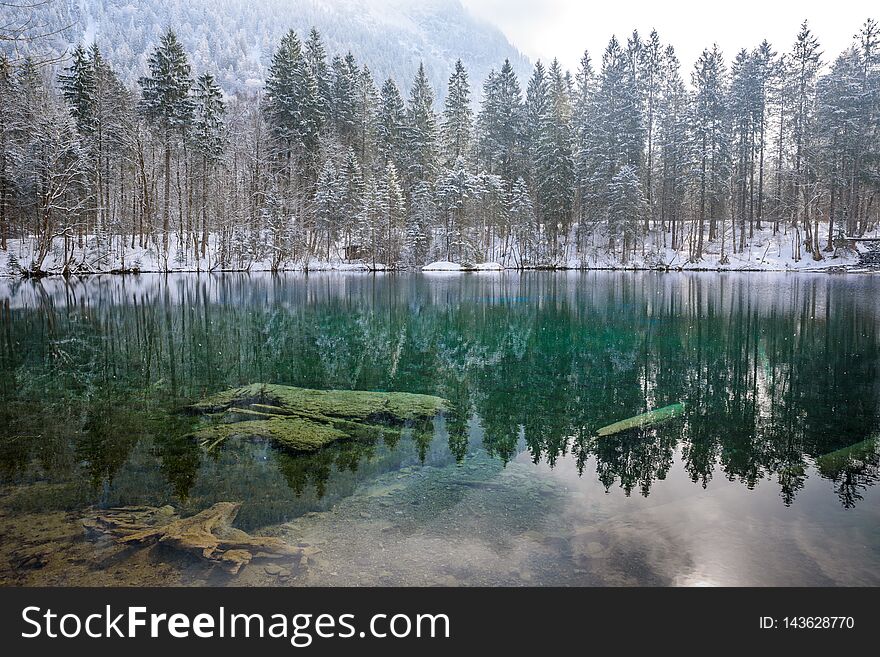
{"points": [[768, 477]]}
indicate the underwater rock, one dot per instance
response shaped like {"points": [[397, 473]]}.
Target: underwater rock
{"points": [[209, 534], [305, 420]]}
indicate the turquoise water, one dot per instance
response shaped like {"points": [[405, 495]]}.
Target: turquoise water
{"points": [[766, 476]]}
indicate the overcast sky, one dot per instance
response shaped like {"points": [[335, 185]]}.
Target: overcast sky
{"points": [[564, 28]]}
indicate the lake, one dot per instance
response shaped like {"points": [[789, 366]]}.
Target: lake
{"points": [[764, 476]]}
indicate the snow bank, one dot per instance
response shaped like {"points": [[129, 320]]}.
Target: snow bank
{"points": [[443, 265], [488, 266]]}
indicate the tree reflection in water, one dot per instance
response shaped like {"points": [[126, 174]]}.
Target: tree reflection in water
{"points": [[777, 372]]}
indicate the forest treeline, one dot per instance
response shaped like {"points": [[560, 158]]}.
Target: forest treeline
{"points": [[630, 155]]}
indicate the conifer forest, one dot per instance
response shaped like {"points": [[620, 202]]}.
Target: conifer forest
{"points": [[630, 160]]}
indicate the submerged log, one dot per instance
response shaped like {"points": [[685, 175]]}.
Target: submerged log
{"points": [[839, 459], [305, 420], [208, 534], [650, 418]]}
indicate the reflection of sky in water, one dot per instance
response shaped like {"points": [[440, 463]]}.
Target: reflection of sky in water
{"points": [[777, 371], [727, 535]]}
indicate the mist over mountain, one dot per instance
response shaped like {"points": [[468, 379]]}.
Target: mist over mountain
{"points": [[235, 39]]}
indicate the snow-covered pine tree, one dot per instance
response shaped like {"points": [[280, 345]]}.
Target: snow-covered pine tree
{"points": [[523, 225], [420, 134], [390, 124], [393, 209], [804, 62], [672, 147], [292, 111], [710, 144], [352, 201], [316, 60], [867, 129], [583, 115], [344, 72], [535, 111], [208, 137], [366, 102], [838, 114], [613, 139], [626, 207], [554, 164], [455, 188], [764, 63], [455, 132], [79, 87], [166, 104], [6, 182], [328, 205], [741, 103], [275, 219], [420, 220], [650, 76], [501, 126]]}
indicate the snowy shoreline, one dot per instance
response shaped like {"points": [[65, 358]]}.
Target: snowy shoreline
{"points": [[831, 268], [765, 252]]}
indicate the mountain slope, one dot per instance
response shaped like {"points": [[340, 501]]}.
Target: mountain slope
{"points": [[235, 38]]}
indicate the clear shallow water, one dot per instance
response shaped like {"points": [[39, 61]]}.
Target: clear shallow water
{"points": [[776, 371]]}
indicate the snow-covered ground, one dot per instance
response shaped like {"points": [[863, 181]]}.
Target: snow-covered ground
{"points": [[119, 256], [764, 252], [443, 265], [446, 266]]}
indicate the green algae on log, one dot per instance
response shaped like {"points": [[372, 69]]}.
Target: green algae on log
{"points": [[645, 419], [305, 420], [840, 459]]}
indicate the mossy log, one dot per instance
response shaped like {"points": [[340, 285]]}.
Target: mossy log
{"points": [[303, 419], [208, 535], [840, 459], [650, 418]]}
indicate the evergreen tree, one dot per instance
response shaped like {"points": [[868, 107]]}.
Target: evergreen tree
{"points": [[419, 220], [626, 206], [291, 109], [391, 202], [457, 117], [535, 112], [366, 103], [7, 96], [523, 224], [554, 163], [79, 87], [420, 135], [455, 189], [342, 97], [166, 103], [650, 69], [501, 124], [328, 204], [316, 60], [583, 116], [208, 138], [390, 124], [614, 138], [352, 201], [672, 140], [710, 135], [804, 65]]}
